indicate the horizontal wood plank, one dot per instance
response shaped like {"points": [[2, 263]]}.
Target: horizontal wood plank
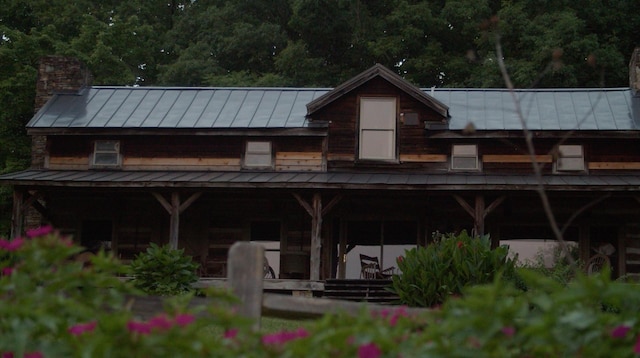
{"points": [[138, 161], [304, 168], [614, 165], [510, 158], [298, 155], [423, 158], [68, 163]]}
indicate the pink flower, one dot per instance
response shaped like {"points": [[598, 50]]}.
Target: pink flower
{"points": [[231, 333], [7, 271], [81, 328], [34, 355], [160, 322], [369, 351], [283, 337], [399, 259], [183, 319], [41, 231], [139, 327], [508, 331], [11, 245], [459, 244], [7, 355], [620, 331], [636, 348]]}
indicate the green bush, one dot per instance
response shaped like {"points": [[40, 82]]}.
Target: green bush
{"points": [[52, 306], [163, 271], [443, 268]]}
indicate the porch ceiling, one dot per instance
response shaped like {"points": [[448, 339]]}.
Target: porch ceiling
{"points": [[318, 180]]}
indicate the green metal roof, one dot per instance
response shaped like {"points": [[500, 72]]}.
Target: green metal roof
{"points": [[609, 109]]}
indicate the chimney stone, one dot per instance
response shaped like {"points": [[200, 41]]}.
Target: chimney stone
{"points": [[56, 74]]}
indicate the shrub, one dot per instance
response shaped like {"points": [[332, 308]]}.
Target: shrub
{"points": [[52, 306], [443, 268], [163, 271]]}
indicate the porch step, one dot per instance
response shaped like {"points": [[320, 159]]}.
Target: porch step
{"points": [[360, 290]]}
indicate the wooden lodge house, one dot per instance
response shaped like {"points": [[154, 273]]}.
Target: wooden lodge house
{"points": [[317, 174]]}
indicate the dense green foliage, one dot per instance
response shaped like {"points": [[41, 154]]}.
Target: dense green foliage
{"points": [[445, 267], [447, 43], [163, 271], [53, 306]]}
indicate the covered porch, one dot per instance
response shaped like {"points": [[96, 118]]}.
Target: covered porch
{"points": [[314, 226]]}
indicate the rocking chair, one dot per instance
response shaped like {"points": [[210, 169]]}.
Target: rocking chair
{"points": [[596, 263], [370, 269]]}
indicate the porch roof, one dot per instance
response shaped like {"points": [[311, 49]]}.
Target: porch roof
{"points": [[318, 180]]}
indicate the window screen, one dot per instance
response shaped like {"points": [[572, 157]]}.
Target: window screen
{"points": [[106, 153], [377, 128], [464, 157], [258, 155], [570, 158]]}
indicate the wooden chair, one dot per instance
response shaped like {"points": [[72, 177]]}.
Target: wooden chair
{"points": [[370, 269], [596, 263]]}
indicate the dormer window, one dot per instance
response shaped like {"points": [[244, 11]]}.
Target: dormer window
{"points": [[570, 158], [377, 135], [464, 157], [106, 153], [258, 155]]}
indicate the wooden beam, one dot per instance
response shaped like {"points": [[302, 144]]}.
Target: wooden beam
{"points": [[165, 204], [478, 217], [336, 199], [189, 201], [174, 227], [304, 204], [515, 158], [465, 206], [175, 208], [316, 240], [493, 206], [17, 218], [316, 211], [614, 165]]}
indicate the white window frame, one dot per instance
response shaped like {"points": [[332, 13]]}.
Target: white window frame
{"points": [[570, 158], [464, 151], [101, 151], [378, 128], [258, 154]]}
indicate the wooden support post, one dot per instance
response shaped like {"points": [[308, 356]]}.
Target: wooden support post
{"points": [[175, 209], [17, 219], [316, 212], [480, 212], [245, 276]]}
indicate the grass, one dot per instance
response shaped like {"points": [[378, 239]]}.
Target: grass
{"points": [[272, 325]]}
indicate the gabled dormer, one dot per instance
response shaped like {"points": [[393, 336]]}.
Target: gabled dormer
{"points": [[376, 117]]}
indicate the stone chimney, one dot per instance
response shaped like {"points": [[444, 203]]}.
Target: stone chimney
{"points": [[634, 72], [56, 74]]}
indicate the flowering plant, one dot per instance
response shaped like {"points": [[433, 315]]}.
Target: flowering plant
{"points": [[52, 306], [431, 274]]}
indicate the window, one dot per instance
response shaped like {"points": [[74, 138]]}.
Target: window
{"points": [[377, 128], [106, 153], [570, 158], [258, 155], [464, 157]]}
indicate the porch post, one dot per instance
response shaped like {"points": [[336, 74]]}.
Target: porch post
{"points": [[174, 226], [316, 212], [17, 218], [175, 208], [479, 212]]}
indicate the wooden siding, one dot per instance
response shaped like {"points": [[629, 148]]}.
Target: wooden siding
{"points": [[298, 161]]}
